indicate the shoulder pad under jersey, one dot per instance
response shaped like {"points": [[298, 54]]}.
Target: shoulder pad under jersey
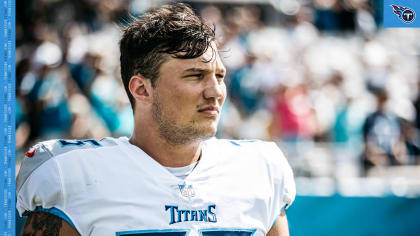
{"points": [[44, 151]]}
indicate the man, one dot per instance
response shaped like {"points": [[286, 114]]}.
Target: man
{"points": [[382, 134], [171, 177]]}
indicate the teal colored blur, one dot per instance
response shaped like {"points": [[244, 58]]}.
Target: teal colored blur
{"points": [[354, 216]]}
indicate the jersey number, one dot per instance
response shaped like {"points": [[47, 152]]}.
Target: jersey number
{"points": [[78, 142], [203, 232]]}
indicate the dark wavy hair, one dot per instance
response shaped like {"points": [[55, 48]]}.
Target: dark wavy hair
{"points": [[170, 30]]}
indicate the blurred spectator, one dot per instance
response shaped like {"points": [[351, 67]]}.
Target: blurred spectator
{"points": [[45, 88], [244, 89], [334, 15], [294, 118], [382, 133]]}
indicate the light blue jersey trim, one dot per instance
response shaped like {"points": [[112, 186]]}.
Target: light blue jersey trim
{"points": [[252, 231], [239, 142], [53, 211], [186, 231]]}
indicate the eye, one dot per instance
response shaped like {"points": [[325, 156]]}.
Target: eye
{"points": [[198, 76]]}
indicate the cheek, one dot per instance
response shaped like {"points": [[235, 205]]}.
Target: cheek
{"points": [[180, 100], [224, 93]]}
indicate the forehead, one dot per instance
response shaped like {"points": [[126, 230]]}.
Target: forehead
{"points": [[210, 60]]}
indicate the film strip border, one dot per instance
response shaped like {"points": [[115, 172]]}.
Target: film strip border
{"points": [[7, 119]]}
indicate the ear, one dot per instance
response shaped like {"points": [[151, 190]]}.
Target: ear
{"points": [[140, 88]]}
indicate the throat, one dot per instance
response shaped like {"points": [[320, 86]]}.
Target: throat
{"points": [[168, 155], [182, 172]]}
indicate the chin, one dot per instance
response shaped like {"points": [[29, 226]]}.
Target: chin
{"points": [[209, 131]]}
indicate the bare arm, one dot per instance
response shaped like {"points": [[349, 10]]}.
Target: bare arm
{"points": [[45, 224], [281, 227]]}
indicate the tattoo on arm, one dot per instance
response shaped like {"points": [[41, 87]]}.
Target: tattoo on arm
{"points": [[43, 224]]}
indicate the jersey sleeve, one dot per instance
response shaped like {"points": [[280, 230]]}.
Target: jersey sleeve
{"points": [[288, 192], [38, 184], [283, 183]]}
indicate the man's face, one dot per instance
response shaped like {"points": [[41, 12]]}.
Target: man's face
{"points": [[188, 97]]}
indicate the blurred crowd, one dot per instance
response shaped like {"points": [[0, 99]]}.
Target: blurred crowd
{"points": [[322, 78]]}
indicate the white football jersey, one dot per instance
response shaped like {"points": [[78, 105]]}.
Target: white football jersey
{"points": [[110, 187]]}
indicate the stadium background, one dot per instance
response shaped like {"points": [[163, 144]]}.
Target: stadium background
{"points": [[304, 73]]}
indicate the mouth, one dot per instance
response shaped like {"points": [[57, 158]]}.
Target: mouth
{"points": [[210, 110]]}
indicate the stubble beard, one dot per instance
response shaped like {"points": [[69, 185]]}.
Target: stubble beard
{"points": [[176, 134]]}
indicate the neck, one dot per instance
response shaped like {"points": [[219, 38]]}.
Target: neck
{"points": [[165, 153]]}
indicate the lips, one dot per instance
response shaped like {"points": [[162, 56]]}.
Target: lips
{"points": [[209, 110]]}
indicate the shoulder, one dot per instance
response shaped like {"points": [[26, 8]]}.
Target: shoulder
{"points": [[45, 151], [237, 143], [278, 169], [57, 147], [264, 158], [268, 151]]}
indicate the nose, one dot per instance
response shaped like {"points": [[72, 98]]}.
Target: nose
{"points": [[215, 88]]}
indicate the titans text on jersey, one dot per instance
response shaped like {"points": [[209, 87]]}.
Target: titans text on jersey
{"points": [[179, 215]]}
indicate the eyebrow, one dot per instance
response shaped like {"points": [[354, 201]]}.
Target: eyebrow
{"points": [[200, 70]]}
